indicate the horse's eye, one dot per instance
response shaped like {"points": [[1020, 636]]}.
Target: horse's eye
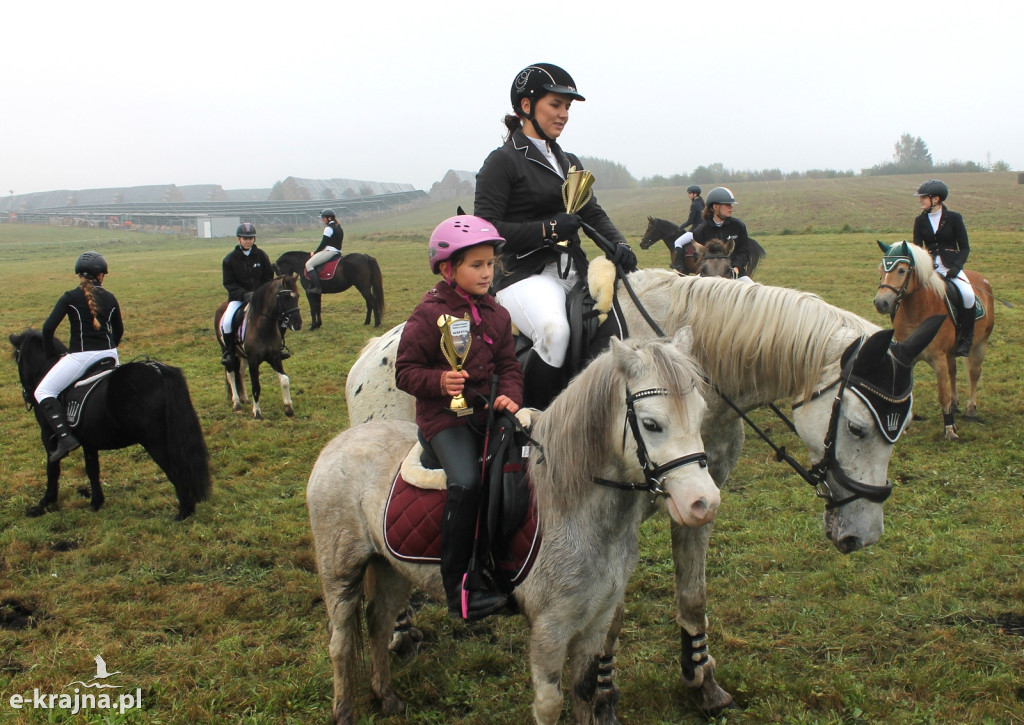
{"points": [[651, 425], [857, 431]]}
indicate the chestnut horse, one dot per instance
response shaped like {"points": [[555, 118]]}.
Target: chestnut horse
{"points": [[909, 291]]}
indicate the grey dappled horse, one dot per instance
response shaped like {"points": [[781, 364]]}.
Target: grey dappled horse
{"points": [[589, 544], [757, 344]]}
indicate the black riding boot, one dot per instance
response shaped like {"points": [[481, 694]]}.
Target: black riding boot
{"points": [[458, 529], [963, 349], [228, 359], [541, 382], [314, 282], [54, 413]]}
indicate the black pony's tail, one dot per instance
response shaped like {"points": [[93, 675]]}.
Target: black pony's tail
{"points": [[376, 287], [757, 253], [190, 464]]}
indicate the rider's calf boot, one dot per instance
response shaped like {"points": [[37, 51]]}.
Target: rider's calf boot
{"points": [[458, 529], [963, 348], [54, 413], [314, 281], [228, 359], [541, 382]]}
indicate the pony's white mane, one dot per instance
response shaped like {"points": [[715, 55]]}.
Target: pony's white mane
{"points": [[926, 274], [576, 430], [773, 341]]}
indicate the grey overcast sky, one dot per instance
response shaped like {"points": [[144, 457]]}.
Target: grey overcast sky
{"points": [[111, 93]]}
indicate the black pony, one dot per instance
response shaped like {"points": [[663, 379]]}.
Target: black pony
{"points": [[355, 270], [145, 403]]}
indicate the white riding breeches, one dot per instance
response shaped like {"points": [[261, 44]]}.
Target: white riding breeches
{"points": [[962, 283], [537, 307], [68, 369], [322, 257], [229, 315]]}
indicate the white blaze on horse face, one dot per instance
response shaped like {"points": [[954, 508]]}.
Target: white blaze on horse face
{"points": [[692, 496], [863, 455]]}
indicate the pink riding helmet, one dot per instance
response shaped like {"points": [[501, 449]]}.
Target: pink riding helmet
{"points": [[458, 233]]}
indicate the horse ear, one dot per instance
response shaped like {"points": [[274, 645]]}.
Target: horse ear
{"points": [[459, 211], [886, 248], [905, 250], [730, 245], [907, 351], [683, 339]]}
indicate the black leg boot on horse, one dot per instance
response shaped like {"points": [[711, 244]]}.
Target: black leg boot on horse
{"points": [[966, 324], [458, 530], [54, 413]]}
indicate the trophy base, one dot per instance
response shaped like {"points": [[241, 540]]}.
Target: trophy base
{"points": [[460, 412]]}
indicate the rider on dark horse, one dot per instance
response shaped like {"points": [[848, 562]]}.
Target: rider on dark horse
{"points": [[245, 268], [719, 223], [329, 249], [96, 330]]}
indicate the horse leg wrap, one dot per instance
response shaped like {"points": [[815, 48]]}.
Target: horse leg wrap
{"points": [[695, 654], [605, 672], [947, 420]]}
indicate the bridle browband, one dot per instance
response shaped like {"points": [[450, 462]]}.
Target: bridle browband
{"points": [[901, 293], [654, 474]]}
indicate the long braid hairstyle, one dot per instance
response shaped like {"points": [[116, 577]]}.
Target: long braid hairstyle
{"points": [[87, 288]]}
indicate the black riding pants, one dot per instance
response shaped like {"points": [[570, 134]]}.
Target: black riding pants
{"points": [[457, 450]]}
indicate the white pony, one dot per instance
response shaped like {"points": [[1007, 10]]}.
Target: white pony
{"points": [[589, 532], [757, 344]]}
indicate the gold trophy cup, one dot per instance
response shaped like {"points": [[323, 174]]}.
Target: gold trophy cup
{"points": [[455, 342], [576, 191]]}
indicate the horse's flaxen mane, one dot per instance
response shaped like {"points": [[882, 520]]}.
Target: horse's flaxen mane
{"points": [[774, 341], [926, 274], [577, 431]]}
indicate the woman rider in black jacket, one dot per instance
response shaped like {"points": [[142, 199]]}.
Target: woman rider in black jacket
{"points": [[96, 329], [519, 190]]}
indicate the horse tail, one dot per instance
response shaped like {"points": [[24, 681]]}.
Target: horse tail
{"points": [[189, 460], [757, 253], [376, 288]]}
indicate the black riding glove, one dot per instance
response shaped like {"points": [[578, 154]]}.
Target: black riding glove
{"points": [[247, 297], [623, 257], [952, 273], [562, 227]]}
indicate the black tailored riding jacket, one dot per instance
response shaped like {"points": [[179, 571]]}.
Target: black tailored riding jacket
{"points": [[949, 241], [694, 220], [733, 229], [245, 273], [517, 191], [74, 305]]}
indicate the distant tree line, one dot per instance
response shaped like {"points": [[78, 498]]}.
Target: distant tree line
{"points": [[911, 156]]}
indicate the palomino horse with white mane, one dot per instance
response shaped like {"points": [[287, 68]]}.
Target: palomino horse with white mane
{"points": [[589, 533], [909, 290], [757, 344]]}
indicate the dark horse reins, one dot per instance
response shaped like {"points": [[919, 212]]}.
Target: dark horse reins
{"points": [[817, 475]]}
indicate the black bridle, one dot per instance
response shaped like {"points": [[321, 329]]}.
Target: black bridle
{"points": [[817, 476], [654, 474]]}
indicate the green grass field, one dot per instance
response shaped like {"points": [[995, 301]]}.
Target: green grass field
{"points": [[219, 618]]}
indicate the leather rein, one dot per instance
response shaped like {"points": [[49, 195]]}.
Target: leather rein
{"points": [[817, 475]]}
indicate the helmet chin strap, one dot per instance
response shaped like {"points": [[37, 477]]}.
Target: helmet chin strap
{"points": [[533, 122]]}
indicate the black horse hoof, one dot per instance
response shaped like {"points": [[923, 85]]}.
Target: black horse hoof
{"points": [[35, 511]]}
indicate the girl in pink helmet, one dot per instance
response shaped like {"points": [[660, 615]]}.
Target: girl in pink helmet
{"points": [[462, 250]]}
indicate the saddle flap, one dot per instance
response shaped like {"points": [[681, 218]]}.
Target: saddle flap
{"points": [[75, 396], [327, 269]]}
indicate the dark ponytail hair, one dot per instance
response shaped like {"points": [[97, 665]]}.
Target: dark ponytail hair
{"points": [[512, 124]]}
